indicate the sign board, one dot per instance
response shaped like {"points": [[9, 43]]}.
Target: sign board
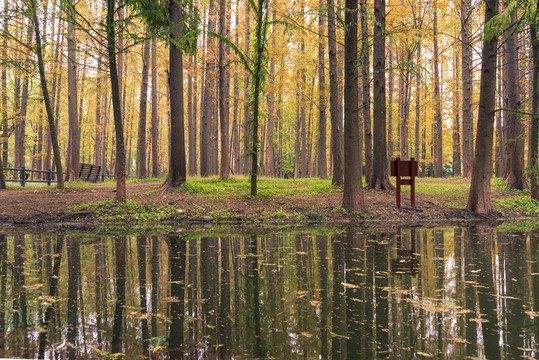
{"points": [[405, 168]]}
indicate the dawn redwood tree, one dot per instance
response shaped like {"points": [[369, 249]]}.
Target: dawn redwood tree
{"points": [[322, 160], [479, 198], [534, 124], [335, 109], [467, 85], [73, 147], [46, 99], [258, 74], [438, 144], [141, 138], [353, 199], [513, 147], [121, 193], [177, 172], [366, 88], [224, 91], [380, 177], [2, 179]]}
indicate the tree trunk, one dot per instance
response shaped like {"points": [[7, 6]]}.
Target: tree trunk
{"points": [[534, 125], [154, 119], [467, 87], [191, 120], [380, 178], [418, 102], [513, 129], [456, 117], [246, 115], [353, 188], [322, 122], [177, 165], [207, 111], [366, 89], [116, 104], [99, 138], [46, 99], [224, 90], [73, 147], [269, 159], [479, 199], [261, 26], [438, 144], [390, 103], [334, 102], [5, 129], [141, 138]]}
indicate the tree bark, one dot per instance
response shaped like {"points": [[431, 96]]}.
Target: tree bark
{"points": [[73, 147], [534, 124], [380, 178], [224, 91], [322, 122], [141, 138], [457, 167], [438, 144], [154, 119], [353, 188], [513, 129], [334, 103], [116, 103], [366, 87], [467, 86], [99, 138], [177, 164], [46, 99], [479, 198], [207, 111]]}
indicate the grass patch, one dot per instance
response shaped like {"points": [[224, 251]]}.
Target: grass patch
{"points": [[267, 187], [524, 205], [113, 211]]}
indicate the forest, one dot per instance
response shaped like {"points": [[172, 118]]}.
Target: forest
{"points": [[169, 89]]}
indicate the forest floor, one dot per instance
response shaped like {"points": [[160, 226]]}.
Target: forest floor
{"points": [[280, 202]]}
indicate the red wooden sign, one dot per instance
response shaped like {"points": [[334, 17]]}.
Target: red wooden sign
{"points": [[405, 168]]}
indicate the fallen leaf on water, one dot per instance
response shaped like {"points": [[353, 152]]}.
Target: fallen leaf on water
{"points": [[350, 285], [307, 335], [531, 313], [423, 354]]}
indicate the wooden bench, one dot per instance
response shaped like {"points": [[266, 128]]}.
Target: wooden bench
{"points": [[89, 172]]}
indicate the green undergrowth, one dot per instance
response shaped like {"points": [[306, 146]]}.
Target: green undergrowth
{"points": [[129, 211], [525, 226], [525, 205], [240, 186]]}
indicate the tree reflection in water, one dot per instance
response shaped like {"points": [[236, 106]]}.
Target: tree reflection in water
{"points": [[446, 293]]}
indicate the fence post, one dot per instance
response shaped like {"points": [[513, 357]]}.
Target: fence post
{"points": [[49, 177], [23, 176]]}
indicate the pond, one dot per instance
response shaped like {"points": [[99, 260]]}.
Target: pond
{"points": [[447, 292]]}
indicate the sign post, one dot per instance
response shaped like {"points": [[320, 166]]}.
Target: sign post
{"points": [[405, 168]]}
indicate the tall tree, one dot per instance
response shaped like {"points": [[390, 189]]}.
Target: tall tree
{"points": [[534, 124], [467, 87], [457, 171], [366, 88], [479, 198], [513, 129], [73, 146], [353, 199], [154, 118], [258, 73], [224, 90], [121, 192], [334, 103], [177, 164], [438, 143], [380, 177], [322, 122], [46, 99], [207, 111], [141, 138]]}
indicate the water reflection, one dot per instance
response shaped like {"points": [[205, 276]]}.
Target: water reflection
{"points": [[446, 292]]}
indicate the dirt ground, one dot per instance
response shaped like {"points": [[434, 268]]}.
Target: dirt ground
{"points": [[35, 206]]}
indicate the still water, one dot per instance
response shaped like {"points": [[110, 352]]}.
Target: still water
{"points": [[413, 293]]}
